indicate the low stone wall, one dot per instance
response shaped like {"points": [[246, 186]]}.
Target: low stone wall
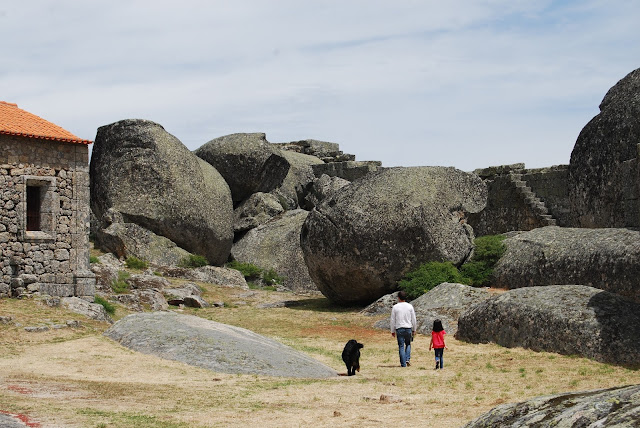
{"points": [[55, 259], [350, 170]]}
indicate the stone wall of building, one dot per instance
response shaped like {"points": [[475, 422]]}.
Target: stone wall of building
{"points": [[55, 259]]}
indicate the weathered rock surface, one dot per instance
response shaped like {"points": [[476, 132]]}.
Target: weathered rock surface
{"points": [[276, 245], [105, 276], [608, 259], [360, 242], [139, 300], [90, 310], [298, 178], [567, 319], [129, 239], [446, 302], [150, 178], [597, 180], [258, 209], [324, 150], [145, 282], [611, 408], [248, 163], [189, 295], [221, 276], [214, 346], [321, 189], [382, 306]]}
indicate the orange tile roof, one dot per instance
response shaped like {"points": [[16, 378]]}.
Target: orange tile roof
{"points": [[15, 121]]}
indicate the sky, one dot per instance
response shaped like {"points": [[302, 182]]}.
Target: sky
{"points": [[469, 83]]}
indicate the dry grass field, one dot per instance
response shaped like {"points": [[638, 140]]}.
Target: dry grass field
{"points": [[78, 378]]}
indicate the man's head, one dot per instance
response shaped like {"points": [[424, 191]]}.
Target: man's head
{"points": [[402, 296]]}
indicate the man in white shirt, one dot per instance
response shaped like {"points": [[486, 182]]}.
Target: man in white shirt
{"points": [[403, 327]]}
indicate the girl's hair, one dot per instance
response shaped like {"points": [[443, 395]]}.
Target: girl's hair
{"points": [[437, 326]]}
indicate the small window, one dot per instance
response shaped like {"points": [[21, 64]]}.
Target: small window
{"points": [[34, 207]]}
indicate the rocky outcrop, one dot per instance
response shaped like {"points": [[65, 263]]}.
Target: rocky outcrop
{"points": [[151, 179], [248, 163], [141, 300], [258, 209], [298, 179], [567, 319], [276, 245], [90, 310], [221, 276], [188, 294], [145, 282], [445, 302], [382, 306], [324, 150], [321, 189], [129, 239], [360, 242], [611, 408], [603, 258], [600, 191], [349, 170], [214, 346]]}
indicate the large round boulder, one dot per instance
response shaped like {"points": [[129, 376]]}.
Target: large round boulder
{"points": [[603, 258], [611, 408], [248, 162], [567, 319], [276, 245], [147, 175], [361, 241], [598, 176]]}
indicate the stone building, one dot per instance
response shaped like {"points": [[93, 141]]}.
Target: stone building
{"points": [[44, 208]]}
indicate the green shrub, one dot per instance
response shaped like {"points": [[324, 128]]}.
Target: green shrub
{"points": [[93, 259], [427, 276], [133, 262], [120, 285], [193, 261], [106, 305], [250, 271], [488, 251], [270, 277]]}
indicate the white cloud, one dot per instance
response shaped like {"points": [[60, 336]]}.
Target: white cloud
{"points": [[465, 83]]}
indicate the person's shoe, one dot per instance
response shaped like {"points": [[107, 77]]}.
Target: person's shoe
{"points": [[408, 364], [437, 366]]}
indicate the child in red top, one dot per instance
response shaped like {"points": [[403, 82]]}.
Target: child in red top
{"points": [[437, 343]]}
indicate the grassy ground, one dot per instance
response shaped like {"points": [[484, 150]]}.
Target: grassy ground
{"points": [[79, 378]]}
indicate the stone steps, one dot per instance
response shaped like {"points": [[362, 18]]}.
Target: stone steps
{"points": [[537, 205]]}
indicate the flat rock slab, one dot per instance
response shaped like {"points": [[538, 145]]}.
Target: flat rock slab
{"points": [[612, 408], [212, 345], [567, 319]]}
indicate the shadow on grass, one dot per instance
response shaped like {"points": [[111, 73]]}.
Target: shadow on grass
{"points": [[320, 304]]}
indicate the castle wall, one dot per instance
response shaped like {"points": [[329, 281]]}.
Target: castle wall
{"points": [[552, 186], [53, 260]]}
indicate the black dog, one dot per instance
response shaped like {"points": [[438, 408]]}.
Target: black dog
{"points": [[351, 356]]}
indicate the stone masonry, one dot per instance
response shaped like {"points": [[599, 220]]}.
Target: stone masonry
{"points": [[53, 260], [522, 199]]}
